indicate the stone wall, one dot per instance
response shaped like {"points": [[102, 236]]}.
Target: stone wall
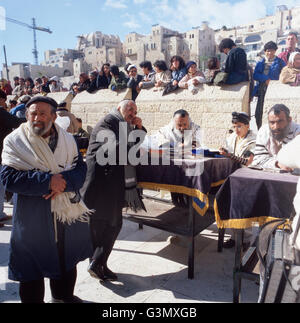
{"points": [[211, 108], [278, 93], [62, 97]]}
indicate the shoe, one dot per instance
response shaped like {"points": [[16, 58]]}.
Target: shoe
{"points": [[109, 275], [96, 271], [72, 300], [229, 244], [6, 218]]}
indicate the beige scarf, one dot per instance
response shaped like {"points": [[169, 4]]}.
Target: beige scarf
{"points": [[23, 150]]}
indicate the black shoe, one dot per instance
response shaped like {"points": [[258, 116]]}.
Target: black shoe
{"points": [[96, 271], [229, 244], [72, 300], [109, 274]]}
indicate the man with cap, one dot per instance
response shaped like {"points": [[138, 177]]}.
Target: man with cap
{"points": [[273, 136], [240, 145], [7, 124], [42, 166]]}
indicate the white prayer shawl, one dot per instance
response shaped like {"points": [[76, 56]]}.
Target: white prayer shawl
{"points": [[169, 134], [289, 156], [25, 151], [265, 150], [245, 144]]}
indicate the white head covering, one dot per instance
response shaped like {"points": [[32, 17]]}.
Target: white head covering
{"points": [[130, 67], [292, 57]]}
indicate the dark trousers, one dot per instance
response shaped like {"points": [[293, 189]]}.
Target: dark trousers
{"points": [[260, 104], [103, 236], [62, 289]]}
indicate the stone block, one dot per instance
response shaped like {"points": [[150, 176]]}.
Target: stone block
{"points": [[62, 97], [211, 107]]}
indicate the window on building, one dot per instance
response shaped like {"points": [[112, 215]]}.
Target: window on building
{"points": [[252, 39]]}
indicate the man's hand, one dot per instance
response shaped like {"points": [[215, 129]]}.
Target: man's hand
{"points": [[287, 169], [57, 183], [223, 151], [57, 186], [137, 122]]}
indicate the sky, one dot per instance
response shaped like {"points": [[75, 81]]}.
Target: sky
{"points": [[70, 18]]}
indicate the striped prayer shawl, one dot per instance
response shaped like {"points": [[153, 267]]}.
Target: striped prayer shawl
{"points": [[267, 148]]}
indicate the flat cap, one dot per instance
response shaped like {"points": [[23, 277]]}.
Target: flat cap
{"points": [[44, 99]]}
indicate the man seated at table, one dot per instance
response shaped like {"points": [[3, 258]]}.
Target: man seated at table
{"points": [[181, 132], [273, 136]]}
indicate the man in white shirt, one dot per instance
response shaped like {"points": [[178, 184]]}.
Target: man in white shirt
{"points": [[273, 136]]}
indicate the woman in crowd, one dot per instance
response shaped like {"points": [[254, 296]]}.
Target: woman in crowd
{"points": [[84, 83], [269, 68], [5, 87], [162, 75], [192, 79], [178, 69], [213, 68], [149, 75], [37, 86], [118, 79], [291, 73], [104, 77], [29, 85]]}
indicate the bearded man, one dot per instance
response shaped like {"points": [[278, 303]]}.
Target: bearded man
{"points": [[42, 166], [111, 180], [180, 132], [273, 136]]}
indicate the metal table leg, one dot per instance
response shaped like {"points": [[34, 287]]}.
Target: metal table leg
{"points": [[238, 233], [192, 241]]}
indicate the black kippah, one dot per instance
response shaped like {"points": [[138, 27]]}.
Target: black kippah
{"points": [[182, 113], [240, 117], [44, 99]]}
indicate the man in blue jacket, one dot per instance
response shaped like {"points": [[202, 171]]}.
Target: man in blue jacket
{"points": [[42, 166], [269, 68]]}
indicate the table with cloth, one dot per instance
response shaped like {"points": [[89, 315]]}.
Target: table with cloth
{"points": [[195, 178], [249, 197]]}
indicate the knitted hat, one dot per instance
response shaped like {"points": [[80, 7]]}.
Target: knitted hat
{"points": [[189, 64]]}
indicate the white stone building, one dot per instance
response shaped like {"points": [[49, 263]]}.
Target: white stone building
{"points": [[163, 43]]}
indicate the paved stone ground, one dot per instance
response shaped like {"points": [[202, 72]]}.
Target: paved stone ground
{"points": [[151, 269]]}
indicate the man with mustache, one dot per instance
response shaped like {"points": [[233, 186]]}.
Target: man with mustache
{"points": [[272, 137], [50, 236]]}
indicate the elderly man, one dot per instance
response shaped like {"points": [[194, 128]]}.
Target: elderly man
{"points": [[108, 182], [272, 137], [291, 46], [180, 132], [42, 166]]}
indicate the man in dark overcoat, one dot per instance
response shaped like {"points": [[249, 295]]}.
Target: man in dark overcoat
{"points": [[104, 188]]}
